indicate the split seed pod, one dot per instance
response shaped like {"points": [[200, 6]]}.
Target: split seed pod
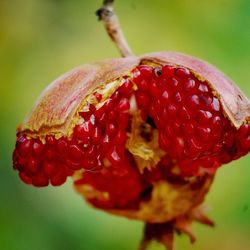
{"points": [[141, 136]]}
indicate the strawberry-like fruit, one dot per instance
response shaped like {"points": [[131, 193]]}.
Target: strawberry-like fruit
{"points": [[141, 136]]}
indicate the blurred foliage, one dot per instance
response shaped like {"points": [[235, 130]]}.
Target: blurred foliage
{"points": [[41, 39]]}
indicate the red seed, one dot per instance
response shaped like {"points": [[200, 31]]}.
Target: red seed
{"points": [[145, 71], [177, 147], [182, 72], [189, 84], [114, 156], [96, 135], [177, 97], [169, 131], [143, 85], [22, 162], [98, 96], [165, 97], [184, 114], [49, 168], [228, 139], [164, 142], [25, 178], [99, 112], [154, 89], [58, 179], [244, 131], [172, 84], [50, 140], [75, 165], [204, 116], [136, 75], [40, 180], [62, 146], [89, 164], [32, 165], [203, 88], [50, 153], [188, 129], [123, 119], [193, 148], [172, 110], [106, 141], [176, 127], [103, 118], [108, 105], [206, 100], [38, 148], [225, 157], [210, 162], [25, 148], [85, 115], [217, 148], [120, 137], [193, 101], [215, 104], [75, 153], [126, 88], [84, 130], [168, 71], [204, 134], [217, 122], [245, 143], [91, 151], [123, 105], [111, 129], [142, 99], [112, 115], [87, 128]]}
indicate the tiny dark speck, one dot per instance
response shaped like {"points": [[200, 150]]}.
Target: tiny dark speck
{"points": [[158, 71], [151, 122]]}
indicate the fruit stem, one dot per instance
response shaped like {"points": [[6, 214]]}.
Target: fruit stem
{"points": [[111, 23]]}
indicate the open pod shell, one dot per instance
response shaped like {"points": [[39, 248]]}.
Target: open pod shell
{"points": [[57, 108]]}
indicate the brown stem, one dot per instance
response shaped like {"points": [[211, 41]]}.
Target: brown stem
{"points": [[111, 23]]}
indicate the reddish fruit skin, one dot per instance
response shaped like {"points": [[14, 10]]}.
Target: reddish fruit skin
{"points": [[198, 130]]}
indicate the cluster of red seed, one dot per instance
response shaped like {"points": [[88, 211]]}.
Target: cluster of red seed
{"points": [[97, 145], [38, 163], [192, 131], [118, 186], [118, 176], [192, 128]]}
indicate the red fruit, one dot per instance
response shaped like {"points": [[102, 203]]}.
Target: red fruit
{"points": [[201, 118]]}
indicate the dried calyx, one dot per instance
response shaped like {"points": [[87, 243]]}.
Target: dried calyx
{"points": [[123, 126]]}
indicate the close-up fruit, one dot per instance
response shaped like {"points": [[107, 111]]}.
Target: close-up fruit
{"points": [[141, 136]]}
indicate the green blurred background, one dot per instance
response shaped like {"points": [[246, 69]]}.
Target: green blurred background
{"points": [[41, 39]]}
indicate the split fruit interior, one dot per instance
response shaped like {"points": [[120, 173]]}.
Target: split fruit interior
{"points": [[159, 125]]}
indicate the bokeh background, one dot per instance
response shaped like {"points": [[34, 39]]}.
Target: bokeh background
{"points": [[41, 39]]}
